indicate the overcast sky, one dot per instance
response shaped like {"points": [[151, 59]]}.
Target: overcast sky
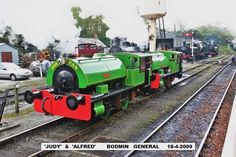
{"points": [[39, 20]]}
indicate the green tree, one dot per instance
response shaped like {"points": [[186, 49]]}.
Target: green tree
{"points": [[218, 34], [52, 45], [5, 35], [19, 42], [91, 27], [52, 49], [208, 33], [31, 47]]}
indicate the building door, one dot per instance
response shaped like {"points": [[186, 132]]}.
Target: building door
{"points": [[7, 57]]}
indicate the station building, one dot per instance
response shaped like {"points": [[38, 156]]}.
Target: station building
{"points": [[173, 41]]}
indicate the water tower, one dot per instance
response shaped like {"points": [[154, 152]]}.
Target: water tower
{"points": [[152, 10]]}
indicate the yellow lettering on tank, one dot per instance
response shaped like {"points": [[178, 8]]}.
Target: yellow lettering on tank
{"points": [[73, 65], [76, 68], [55, 65]]}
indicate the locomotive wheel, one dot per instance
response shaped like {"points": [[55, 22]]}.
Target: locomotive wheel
{"points": [[106, 115], [109, 107], [125, 104], [168, 82], [147, 91], [180, 75]]}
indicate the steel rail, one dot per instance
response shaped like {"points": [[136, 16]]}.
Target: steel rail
{"points": [[205, 62], [176, 111], [12, 137]]}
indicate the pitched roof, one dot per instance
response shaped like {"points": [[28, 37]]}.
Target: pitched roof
{"points": [[92, 41]]}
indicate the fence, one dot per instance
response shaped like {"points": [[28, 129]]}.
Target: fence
{"points": [[16, 91], [3, 103]]}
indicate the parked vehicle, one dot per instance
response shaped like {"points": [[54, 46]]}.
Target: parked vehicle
{"points": [[13, 71]]}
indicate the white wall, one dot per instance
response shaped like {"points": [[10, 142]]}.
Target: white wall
{"points": [[6, 48]]}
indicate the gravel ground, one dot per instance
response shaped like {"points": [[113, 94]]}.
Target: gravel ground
{"points": [[215, 141], [190, 124], [27, 145], [26, 121]]}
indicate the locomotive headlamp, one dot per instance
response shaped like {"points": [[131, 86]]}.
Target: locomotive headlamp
{"points": [[73, 102], [30, 96]]}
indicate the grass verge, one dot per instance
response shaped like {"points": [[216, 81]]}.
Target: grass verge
{"points": [[14, 115], [223, 49]]}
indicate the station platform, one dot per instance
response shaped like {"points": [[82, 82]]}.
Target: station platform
{"points": [[229, 149]]}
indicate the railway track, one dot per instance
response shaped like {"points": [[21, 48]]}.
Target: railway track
{"points": [[38, 134], [192, 121], [214, 117], [214, 61], [206, 64]]}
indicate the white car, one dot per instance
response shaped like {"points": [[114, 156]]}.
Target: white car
{"points": [[13, 71]]}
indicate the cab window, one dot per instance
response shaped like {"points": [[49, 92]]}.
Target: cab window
{"points": [[81, 47], [93, 47], [143, 64], [173, 56]]}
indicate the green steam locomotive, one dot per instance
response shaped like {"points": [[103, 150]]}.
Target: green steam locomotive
{"points": [[84, 88]]}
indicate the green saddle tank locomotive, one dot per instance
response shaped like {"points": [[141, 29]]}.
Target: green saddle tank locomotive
{"points": [[84, 88]]}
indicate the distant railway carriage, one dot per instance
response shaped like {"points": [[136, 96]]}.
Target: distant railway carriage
{"points": [[87, 49], [84, 88]]}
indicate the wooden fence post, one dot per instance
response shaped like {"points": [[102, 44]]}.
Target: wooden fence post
{"points": [[16, 99]]}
